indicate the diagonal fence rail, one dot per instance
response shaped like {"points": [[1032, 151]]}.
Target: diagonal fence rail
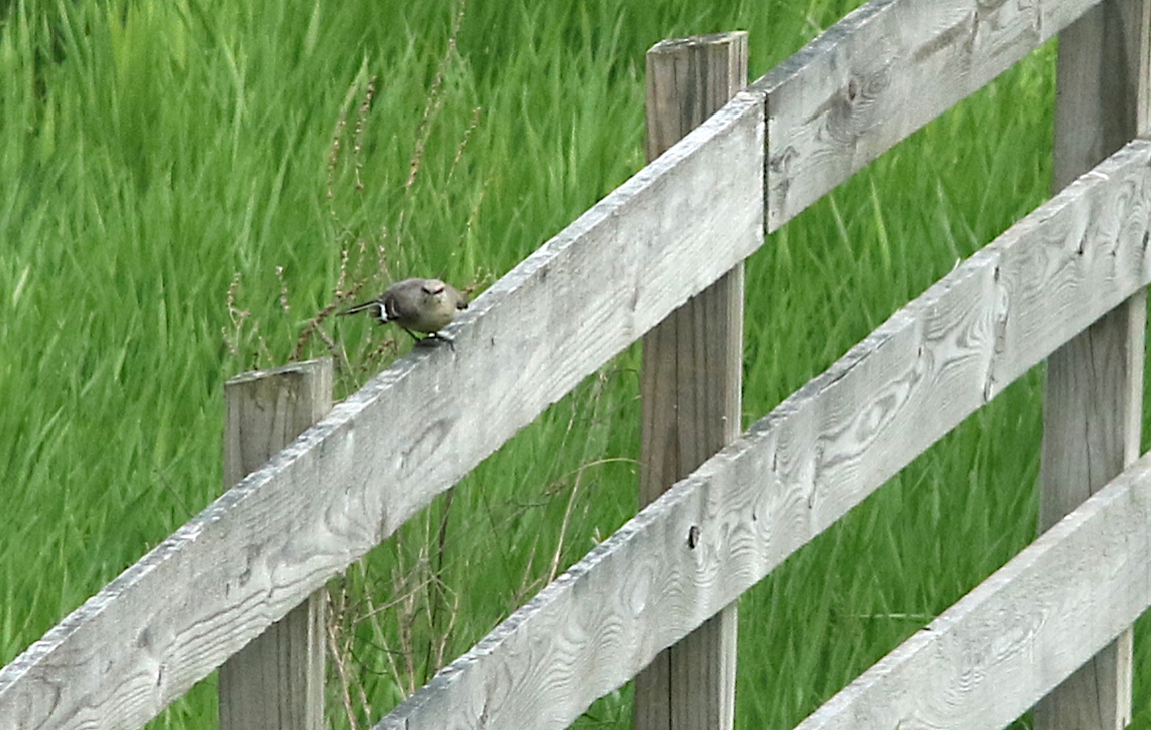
{"points": [[1003, 646], [880, 74], [350, 481], [817, 455], [664, 236]]}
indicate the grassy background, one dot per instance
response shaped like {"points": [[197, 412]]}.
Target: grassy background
{"points": [[189, 187]]}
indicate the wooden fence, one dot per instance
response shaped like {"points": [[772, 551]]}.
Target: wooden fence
{"points": [[1066, 283]]}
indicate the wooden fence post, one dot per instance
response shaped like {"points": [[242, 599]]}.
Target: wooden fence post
{"points": [[1093, 400], [690, 385], [277, 681]]}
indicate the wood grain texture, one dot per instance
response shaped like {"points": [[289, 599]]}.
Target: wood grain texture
{"points": [[411, 433], [688, 80], [1094, 391], [802, 467], [277, 681], [1092, 417], [989, 657], [690, 385], [265, 410], [882, 72]]}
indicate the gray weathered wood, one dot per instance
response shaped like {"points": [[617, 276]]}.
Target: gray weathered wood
{"points": [[1101, 72], [277, 681], [989, 657], [1094, 393], [881, 73], [690, 385], [409, 434], [265, 410], [802, 467]]}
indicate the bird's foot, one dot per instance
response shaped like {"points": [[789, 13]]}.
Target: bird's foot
{"points": [[435, 339]]}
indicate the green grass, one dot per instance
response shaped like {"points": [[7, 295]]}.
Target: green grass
{"points": [[174, 212]]}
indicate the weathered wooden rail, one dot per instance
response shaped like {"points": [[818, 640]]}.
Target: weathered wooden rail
{"points": [[817, 455], [1073, 269]]}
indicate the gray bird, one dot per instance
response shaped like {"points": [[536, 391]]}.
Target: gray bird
{"points": [[416, 305]]}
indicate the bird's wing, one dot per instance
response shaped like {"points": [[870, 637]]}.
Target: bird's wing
{"points": [[400, 308]]}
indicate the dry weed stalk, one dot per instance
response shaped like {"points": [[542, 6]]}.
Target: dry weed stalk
{"points": [[435, 101], [358, 133], [476, 113], [284, 305], [340, 653], [236, 315], [239, 318]]}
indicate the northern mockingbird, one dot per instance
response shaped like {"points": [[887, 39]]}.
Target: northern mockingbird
{"points": [[416, 305]]}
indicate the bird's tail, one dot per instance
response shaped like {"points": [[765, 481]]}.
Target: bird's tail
{"points": [[361, 307]]}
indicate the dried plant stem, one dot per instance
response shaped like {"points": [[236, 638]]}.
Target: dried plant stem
{"points": [[435, 102], [338, 610], [437, 587]]}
